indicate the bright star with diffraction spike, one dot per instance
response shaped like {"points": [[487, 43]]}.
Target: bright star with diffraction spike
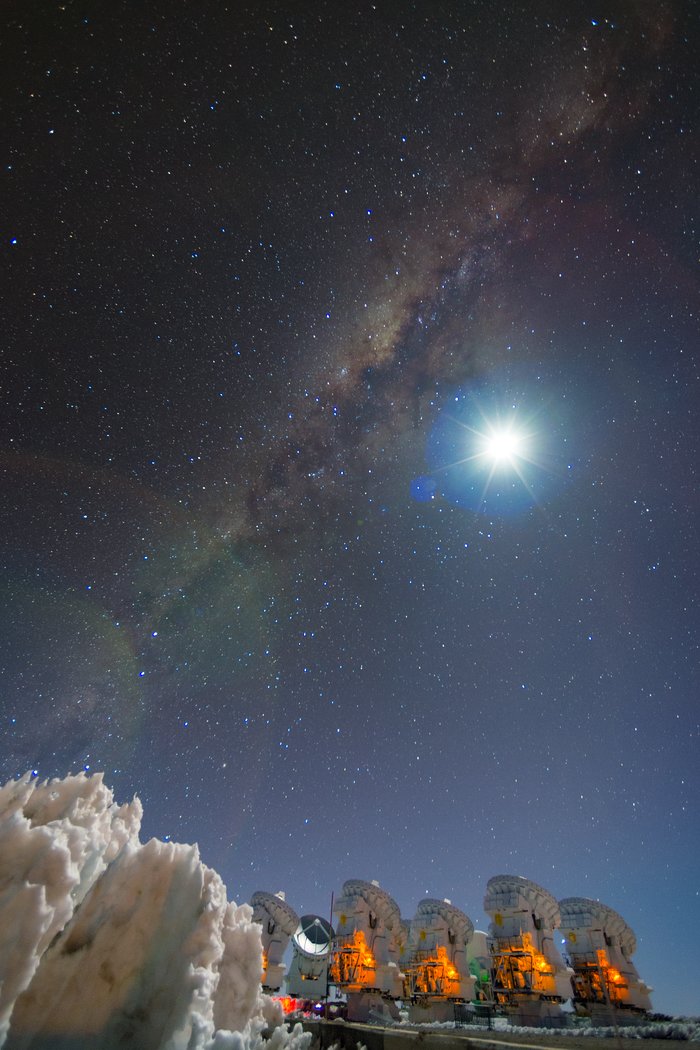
{"points": [[503, 445]]}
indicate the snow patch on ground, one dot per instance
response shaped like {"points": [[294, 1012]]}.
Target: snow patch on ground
{"points": [[682, 1028]]}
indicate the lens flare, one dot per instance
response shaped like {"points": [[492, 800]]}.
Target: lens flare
{"points": [[500, 446], [503, 445]]}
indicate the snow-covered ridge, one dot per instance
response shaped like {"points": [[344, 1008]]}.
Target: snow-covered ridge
{"points": [[680, 1029], [106, 942]]}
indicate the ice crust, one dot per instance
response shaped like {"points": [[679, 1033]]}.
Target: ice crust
{"points": [[106, 942]]}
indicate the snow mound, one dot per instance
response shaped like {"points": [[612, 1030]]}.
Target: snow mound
{"points": [[106, 942], [680, 1029]]}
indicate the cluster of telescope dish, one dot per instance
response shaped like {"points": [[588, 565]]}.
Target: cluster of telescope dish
{"points": [[437, 964]]}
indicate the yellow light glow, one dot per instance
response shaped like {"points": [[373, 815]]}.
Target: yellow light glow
{"points": [[433, 975], [520, 966], [353, 964]]}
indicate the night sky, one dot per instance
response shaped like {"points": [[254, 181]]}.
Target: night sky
{"points": [[276, 279]]}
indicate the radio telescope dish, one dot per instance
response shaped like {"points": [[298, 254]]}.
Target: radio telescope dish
{"points": [[273, 912], [278, 922], [511, 891], [580, 912], [313, 936], [459, 923], [377, 899]]}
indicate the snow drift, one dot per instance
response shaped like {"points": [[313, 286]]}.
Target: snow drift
{"points": [[106, 942]]}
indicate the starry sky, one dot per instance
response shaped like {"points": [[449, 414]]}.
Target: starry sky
{"points": [[276, 277]]}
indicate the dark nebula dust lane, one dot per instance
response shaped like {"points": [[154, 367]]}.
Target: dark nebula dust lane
{"points": [[349, 441]]}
